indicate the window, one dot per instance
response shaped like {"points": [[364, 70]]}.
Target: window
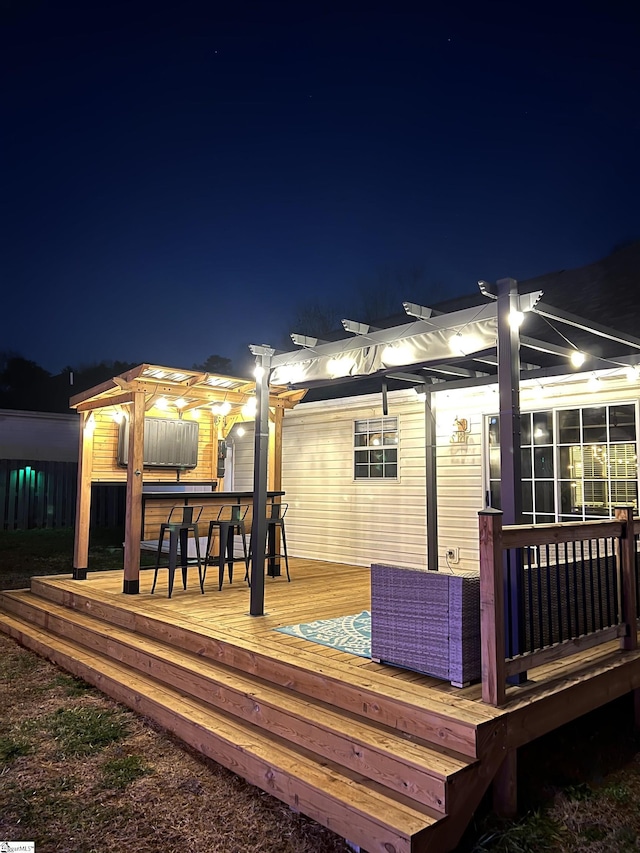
{"points": [[376, 449], [576, 463]]}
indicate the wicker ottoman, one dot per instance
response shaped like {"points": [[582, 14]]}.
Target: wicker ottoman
{"points": [[427, 621]]}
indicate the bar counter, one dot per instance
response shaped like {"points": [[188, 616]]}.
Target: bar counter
{"points": [[156, 507]]}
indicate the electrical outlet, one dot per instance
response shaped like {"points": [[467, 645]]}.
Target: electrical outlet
{"points": [[453, 555]]}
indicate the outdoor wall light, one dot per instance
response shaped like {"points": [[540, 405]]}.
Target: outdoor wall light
{"points": [[577, 358], [258, 372], [180, 403], [240, 431]]}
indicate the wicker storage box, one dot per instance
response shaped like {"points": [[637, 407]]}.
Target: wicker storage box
{"points": [[427, 621]]}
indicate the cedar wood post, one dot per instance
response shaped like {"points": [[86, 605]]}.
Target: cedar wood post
{"points": [[492, 607], [83, 498], [133, 516], [627, 550]]}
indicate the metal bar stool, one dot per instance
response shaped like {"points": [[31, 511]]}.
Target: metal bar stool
{"points": [[230, 521], [275, 522], [182, 521]]}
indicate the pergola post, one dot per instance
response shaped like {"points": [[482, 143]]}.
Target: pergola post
{"points": [[133, 516], [260, 476], [83, 498], [510, 455], [431, 477]]}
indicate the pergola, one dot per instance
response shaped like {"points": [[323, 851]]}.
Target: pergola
{"points": [[221, 399], [475, 346]]}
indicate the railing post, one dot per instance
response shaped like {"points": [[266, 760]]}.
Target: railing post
{"points": [[492, 607], [627, 552]]}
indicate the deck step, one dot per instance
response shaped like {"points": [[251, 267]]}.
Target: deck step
{"points": [[369, 814], [452, 723], [407, 766]]}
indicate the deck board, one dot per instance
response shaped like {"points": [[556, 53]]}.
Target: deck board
{"points": [[216, 630], [319, 590]]}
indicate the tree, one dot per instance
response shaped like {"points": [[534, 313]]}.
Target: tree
{"points": [[216, 364]]}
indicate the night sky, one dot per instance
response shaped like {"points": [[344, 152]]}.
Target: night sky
{"points": [[179, 177]]}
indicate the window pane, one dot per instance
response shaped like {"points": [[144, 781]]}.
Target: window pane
{"points": [[622, 423], [595, 461], [380, 438], [544, 497], [525, 461], [494, 494], [543, 464], [525, 429], [568, 493], [594, 424], [494, 462], [494, 431], [569, 426], [623, 461], [527, 496], [624, 492], [570, 462], [542, 428]]}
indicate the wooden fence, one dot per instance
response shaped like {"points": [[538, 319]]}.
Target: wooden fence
{"points": [[552, 590], [36, 494]]}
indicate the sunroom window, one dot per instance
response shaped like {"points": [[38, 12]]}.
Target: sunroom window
{"points": [[576, 463]]}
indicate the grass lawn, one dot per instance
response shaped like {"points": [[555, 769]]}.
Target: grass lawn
{"points": [[80, 773]]}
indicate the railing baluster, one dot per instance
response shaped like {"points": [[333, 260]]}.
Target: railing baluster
{"points": [[559, 596], [531, 633]]}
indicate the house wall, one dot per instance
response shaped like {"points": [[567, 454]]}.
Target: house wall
{"points": [[462, 478], [336, 518], [38, 436], [331, 515]]}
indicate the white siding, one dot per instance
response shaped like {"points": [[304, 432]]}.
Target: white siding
{"points": [[334, 517], [243, 450], [39, 436]]}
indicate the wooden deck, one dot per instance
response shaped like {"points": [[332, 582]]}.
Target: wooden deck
{"points": [[394, 761]]}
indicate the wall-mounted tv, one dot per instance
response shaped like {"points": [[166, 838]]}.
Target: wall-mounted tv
{"points": [[167, 443]]}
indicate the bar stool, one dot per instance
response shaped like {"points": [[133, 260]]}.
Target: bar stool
{"points": [[229, 522], [182, 521], [275, 522]]}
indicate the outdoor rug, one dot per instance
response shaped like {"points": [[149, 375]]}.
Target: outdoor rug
{"points": [[350, 634]]}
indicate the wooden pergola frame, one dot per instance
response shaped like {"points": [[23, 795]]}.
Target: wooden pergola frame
{"points": [[137, 391]]}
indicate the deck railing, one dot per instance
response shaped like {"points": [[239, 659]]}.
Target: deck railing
{"points": [[552, 590]]}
